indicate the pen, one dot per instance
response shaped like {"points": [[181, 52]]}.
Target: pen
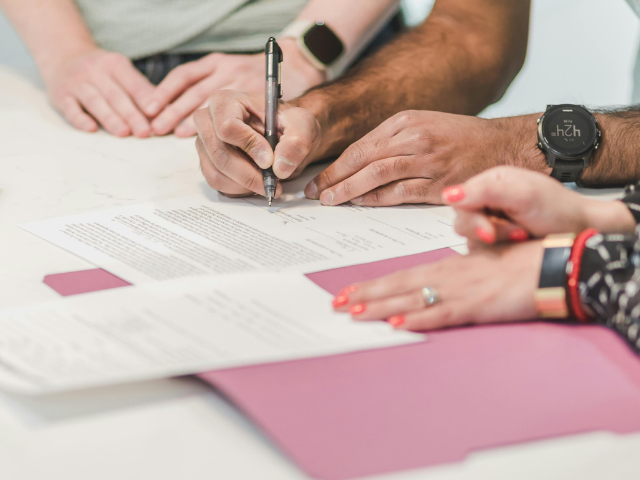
{"points": [[273, 93]]}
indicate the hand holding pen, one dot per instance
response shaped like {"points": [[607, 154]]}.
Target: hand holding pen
{"points": [[231, 142]]}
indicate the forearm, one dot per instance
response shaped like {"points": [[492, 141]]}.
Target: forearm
{"points": [[460, 60], [617, 160], [52, 29], [349, 20], [615, 163]]}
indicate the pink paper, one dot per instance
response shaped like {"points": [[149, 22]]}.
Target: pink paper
{"points": [[83, 281], [465, 389]]}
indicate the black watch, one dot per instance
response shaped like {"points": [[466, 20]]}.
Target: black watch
{"points": [[568, 135]]}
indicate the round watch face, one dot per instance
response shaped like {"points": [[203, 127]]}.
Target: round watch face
{"points": [[569, 130]]}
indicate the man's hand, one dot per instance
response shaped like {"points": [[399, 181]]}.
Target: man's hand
{"points": [[414, 155], [100, 87], [189, 86], [231, 144], [507, 203]]}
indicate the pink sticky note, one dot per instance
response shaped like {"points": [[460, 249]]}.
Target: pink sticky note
{"points": [[83, 281]]}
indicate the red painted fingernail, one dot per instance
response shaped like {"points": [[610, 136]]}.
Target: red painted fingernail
{"points": [[348, 290], [396, 320], [485, 236], [519, 235], [453, 194], [340, 301], [358, 309]]}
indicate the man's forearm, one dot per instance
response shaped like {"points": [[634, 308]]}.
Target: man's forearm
{"points": [[460, 60], [615, 163], [52, 29], [617, 160]]}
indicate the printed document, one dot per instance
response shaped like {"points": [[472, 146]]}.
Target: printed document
{"points": [[213, 234], [177, 327]]}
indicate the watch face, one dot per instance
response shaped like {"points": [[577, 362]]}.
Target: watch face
{"points": [[323, 43], [569, 130]]}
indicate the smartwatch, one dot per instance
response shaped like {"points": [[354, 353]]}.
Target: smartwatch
{"points": [[568, 135], [317, 42]]}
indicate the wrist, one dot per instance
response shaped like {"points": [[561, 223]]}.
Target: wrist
{"points": [[607, 216], [298, 71], [50, 63], [516, 143]]}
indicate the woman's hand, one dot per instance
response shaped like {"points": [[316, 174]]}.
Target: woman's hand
{"points": [[508, 203], [188, 87], [100, 87], [493, 284]]}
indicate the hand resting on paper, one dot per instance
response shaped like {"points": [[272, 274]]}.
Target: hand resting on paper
{"points": [[492, 284]]}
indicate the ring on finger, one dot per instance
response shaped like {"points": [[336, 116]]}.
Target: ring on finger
{"points": [[430, 296]]}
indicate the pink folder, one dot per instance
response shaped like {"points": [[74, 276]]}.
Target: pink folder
{"points": [[466, 389]]}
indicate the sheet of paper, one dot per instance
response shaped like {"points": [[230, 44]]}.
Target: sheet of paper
{"points": [[213, 234], [175, 328]]}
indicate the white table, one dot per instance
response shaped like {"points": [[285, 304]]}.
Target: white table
{"points": [[171, 429]]}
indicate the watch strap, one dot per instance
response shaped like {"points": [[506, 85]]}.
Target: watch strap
{"points": [[551, 295], [567, 170]]}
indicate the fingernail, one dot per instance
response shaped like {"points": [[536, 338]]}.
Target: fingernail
{"points": [[311, 190], [340, 301], [264, 159], [348, 290], [519, 235], [484, 235], [159, 125], [357, 200], [284, 167], [141, 130], [152, 108], [358, 309], [326, 198], [453, 194], [396, 320]]}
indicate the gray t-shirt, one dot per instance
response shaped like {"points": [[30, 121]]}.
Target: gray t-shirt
{"points": [[138, 28]]}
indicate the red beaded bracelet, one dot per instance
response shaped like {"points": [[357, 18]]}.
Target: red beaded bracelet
{"points": [[575, 261]]}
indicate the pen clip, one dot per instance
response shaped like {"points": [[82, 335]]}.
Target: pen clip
{"points": [[280, 60]]}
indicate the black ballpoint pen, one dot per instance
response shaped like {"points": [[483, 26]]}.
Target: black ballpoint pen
{"points": [[273, 93]]}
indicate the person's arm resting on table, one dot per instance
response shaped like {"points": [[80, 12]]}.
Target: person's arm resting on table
{"points": [[88, 85], [460, 60]]}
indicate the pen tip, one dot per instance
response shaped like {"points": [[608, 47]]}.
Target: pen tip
{"points": [[269, 202]]}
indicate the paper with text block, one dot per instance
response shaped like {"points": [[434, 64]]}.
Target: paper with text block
{"points": [[196, 235], [177, 327]]}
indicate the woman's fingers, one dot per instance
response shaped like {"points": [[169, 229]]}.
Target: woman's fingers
{"points": [[71, 109], [97, 105], [175, 83], [489, 229], [122, 103]]}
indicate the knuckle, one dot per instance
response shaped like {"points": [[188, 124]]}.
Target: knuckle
{"points": [[379, 171], [399, 166], [221, 159], [299, 145], [227, 129], [250, 182], [375, 196], [356, 155], [347, 188]]}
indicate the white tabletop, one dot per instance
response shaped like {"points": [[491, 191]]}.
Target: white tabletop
{"points": [[169, 429]]}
